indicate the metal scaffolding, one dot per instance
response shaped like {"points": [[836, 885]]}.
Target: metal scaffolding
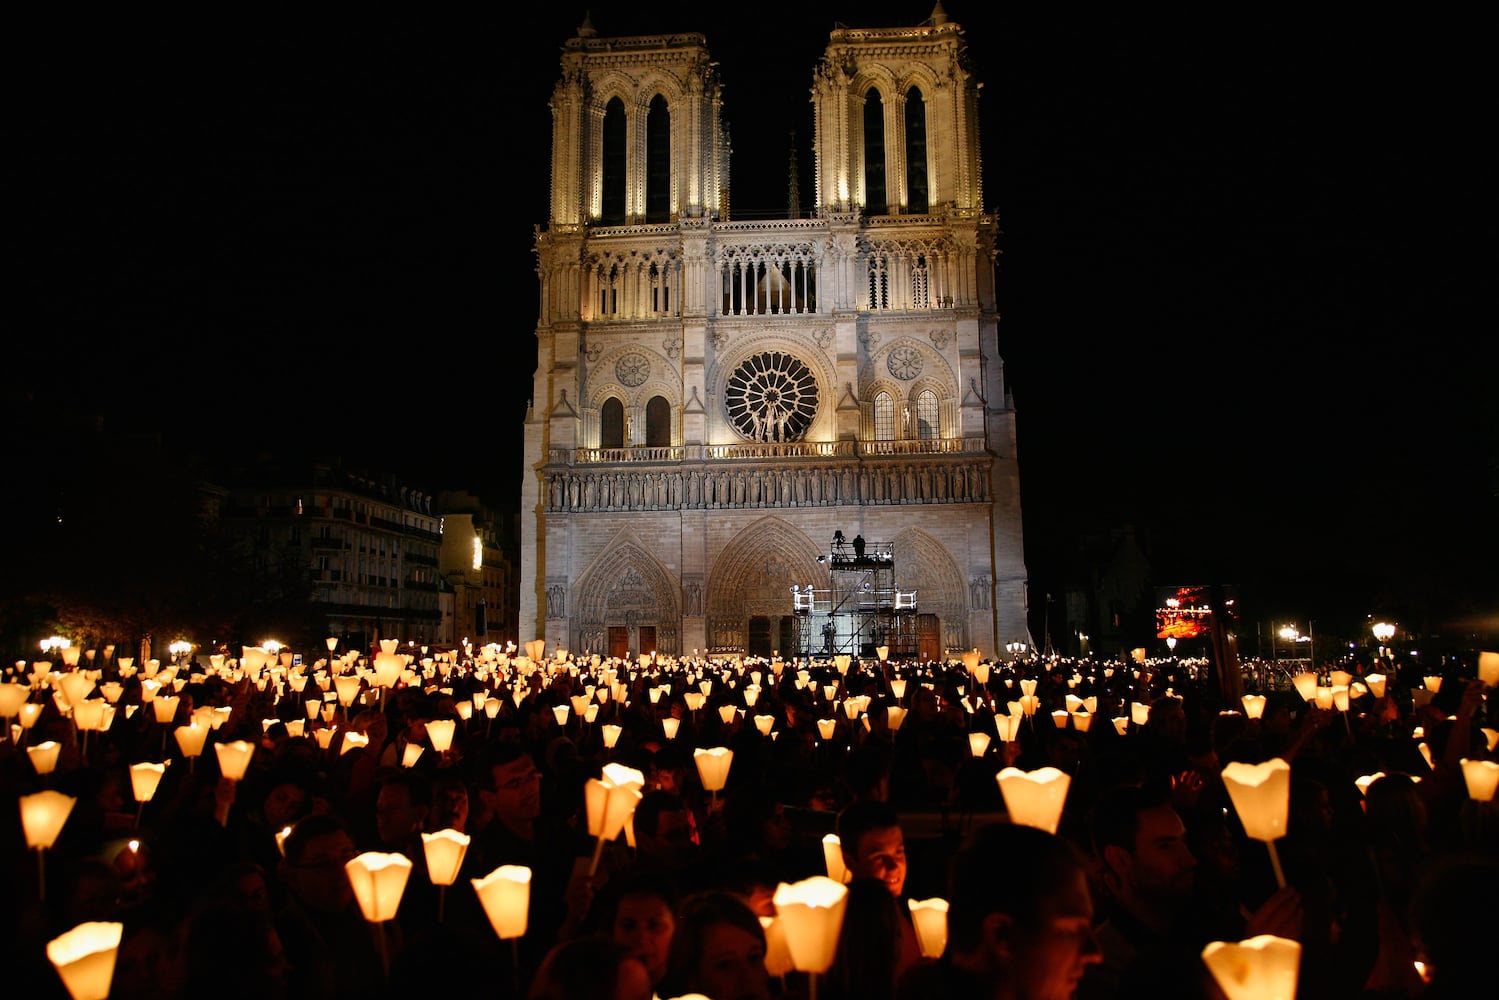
{"points": [[861, 608]]}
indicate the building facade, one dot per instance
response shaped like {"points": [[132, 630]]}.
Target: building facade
{"points": [[368, 548], [715, 399]]}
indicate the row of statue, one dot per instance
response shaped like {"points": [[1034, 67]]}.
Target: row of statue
{"points": [[767, 487]]}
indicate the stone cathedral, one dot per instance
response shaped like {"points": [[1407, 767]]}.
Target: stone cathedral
{"points": [[720, 406]]}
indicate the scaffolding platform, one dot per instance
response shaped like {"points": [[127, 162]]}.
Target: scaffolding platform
{"points": [[861, 608]]}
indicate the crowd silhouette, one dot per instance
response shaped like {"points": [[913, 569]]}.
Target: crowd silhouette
{"points": [[241, 887]]}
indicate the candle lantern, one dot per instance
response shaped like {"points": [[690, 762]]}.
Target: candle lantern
{"points": [[1034, 798], [1254, 706], [765, 723], [444, 851], [43, 756], [1306, 685], [1376, 684], [42, 817], [234, 758], [1481, 777], [832, 857], [190, 739], [1007, 726], [812, 913], [929, 916], [1260, 968], [978, 744], [610, 801], [440, 734], [84, 958], [777, 953], [1488, 668], [713, 767], [611, 734], [505, 894], [1261, 795], [827, 727], [379, 881]]}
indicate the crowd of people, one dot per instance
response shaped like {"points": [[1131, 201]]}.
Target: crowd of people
{"points": [[235, 888]]}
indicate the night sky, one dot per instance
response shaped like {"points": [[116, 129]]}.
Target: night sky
{"points": [[1239, 290]]}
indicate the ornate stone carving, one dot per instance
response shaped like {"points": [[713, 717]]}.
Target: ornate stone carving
{"points": [[904, 363], [771, 397], [632, 369], [940, 338]]}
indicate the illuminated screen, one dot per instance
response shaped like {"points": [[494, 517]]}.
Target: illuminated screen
{"points": [[1186, 612]]}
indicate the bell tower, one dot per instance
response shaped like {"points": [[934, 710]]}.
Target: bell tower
{"points": [[897, 121], [636, 136]]}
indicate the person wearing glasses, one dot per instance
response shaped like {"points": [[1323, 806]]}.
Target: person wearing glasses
{"points": [[515, 830], [333, 950]]}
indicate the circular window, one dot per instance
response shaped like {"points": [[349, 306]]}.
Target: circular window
{"points": [[771, 397]]}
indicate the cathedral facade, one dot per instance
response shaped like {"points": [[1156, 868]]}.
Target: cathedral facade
{"points": [[715, 400]]}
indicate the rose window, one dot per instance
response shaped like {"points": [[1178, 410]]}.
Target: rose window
{"points": [[771, 397]]}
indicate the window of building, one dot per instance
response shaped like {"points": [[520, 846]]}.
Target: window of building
{"points": [[612, 424], [613, 161], [658, 162], [926, 416], [917, 200], [658, 422], [884, 417], [875, 202]]}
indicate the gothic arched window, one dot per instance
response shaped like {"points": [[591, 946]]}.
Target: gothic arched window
{"points": [[613, 162], [658, 423], [658, 161], [917, 199], [884, 417], [927, 424], [612, 424], [875, 201]]}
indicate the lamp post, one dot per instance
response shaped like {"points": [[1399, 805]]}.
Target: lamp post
{"points": [[1383, 633]]}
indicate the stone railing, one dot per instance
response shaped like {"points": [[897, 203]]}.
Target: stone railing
{"points": [[755, 450]]}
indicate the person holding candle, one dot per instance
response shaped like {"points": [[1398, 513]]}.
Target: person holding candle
{"points": [[874, 847], [333, 949]]}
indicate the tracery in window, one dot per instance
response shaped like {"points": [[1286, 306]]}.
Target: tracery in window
{"points": [[927, 421], [884, 417], [771, 397]]}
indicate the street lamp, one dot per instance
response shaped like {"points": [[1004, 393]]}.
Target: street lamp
{"points": [[1384, 632]]}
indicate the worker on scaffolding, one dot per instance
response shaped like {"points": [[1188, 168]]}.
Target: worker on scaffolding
{"points": [[858, 546]]}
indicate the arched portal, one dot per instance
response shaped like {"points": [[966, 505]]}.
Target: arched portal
{"points": [[752, 578], [625, 596]]}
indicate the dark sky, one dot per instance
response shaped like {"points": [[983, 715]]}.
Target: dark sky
{"points": [[1240, 309]]}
